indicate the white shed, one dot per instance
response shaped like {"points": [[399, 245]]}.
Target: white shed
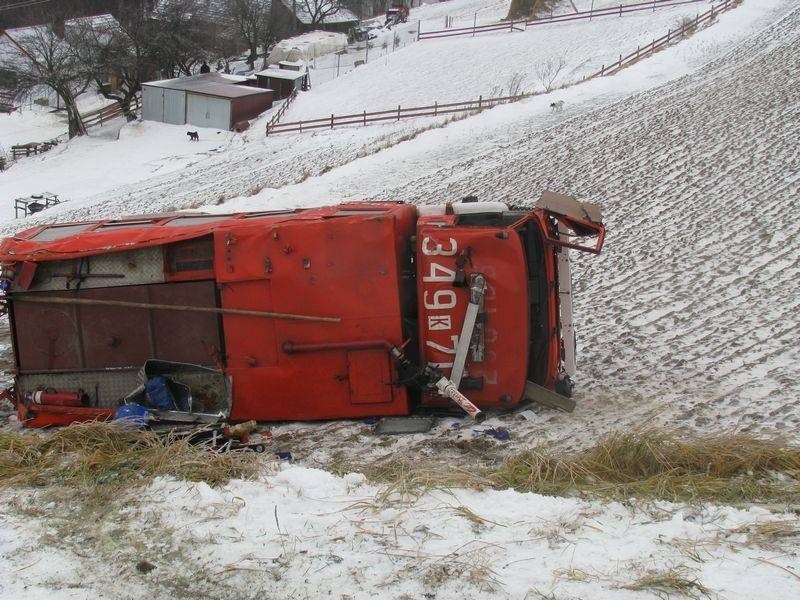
{"points": [[206, 100]]}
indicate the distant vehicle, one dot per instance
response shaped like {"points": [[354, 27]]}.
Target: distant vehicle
{"points": [[396, 13], [364, 33]]}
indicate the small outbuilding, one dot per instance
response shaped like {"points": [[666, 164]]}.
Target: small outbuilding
{"points": [[205, 100], [283, 81]]}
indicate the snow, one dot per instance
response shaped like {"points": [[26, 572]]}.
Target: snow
{"points": [[91, 165], [484, 65], [303, 532], [32, 124], [307, 46], [689, 318]]}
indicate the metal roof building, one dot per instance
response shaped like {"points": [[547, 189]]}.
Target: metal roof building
{"points": [[206, 100]]}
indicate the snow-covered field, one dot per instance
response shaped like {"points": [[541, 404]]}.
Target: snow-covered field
{"points": [[689, 318], [304, 533], [40, 124], [487, 65]]}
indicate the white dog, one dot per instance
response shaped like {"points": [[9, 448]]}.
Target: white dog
{"points": [[557, 106]]}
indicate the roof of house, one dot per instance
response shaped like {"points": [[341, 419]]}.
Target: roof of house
{"points": [[13, 41], [210, 84], [303, 14]]}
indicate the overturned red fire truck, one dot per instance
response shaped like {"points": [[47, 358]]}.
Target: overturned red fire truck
{"points": [[361, 309]]}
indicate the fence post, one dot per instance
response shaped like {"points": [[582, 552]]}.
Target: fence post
{"points": [[331, 121], [436, 107], [365, 118], [654, 5], [602, 70], [591, 11], [301, 127], [418, 30], [620, 10], [669, 35], [398, 112], [480, 101], [474, 24]]}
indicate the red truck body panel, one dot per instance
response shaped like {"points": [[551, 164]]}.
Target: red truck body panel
{"points": [[386, 273]]}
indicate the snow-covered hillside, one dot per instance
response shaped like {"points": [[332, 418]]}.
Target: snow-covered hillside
{"points": [[688, 318], [486, 65], [141, 161], [690, 314], [672, 321]]}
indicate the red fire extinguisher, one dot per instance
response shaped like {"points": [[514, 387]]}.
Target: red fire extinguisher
{"points": [[55, 398]]}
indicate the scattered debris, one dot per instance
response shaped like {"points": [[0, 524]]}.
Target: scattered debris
{"points": [[144, 566], [400, 425]]}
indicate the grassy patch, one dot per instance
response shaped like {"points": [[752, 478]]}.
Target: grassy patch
{"points": [[95, 454], [647, 464], [659, 464], [83, 483]]}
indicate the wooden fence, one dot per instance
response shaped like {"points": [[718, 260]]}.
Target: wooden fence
{"points": [[273, 122], [7, 103], [521, 25], [394, 114], [107, 113], [686, 27]]}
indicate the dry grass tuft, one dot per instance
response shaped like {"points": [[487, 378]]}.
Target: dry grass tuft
{"points": [[771, 535], [91, 454], [408, 479], [646, 464], [677, 581], [661, 464]]}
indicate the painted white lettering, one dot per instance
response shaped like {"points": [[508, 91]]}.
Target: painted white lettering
{"points": [[439, 273], [438, 249], [439, 322], [442, 300]]}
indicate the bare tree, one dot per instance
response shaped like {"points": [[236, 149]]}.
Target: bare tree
{"points": [[118, 49], [548, 70], [515, 84], [318, 10], [179, 38], [251, 19], [38, 58]]}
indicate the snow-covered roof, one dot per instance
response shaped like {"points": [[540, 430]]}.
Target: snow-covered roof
{"points": [[281, 74], [304, 15], [212, 84], [233, 78]]}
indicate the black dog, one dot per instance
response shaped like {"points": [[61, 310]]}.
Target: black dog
{"points": [[193, 136]]}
